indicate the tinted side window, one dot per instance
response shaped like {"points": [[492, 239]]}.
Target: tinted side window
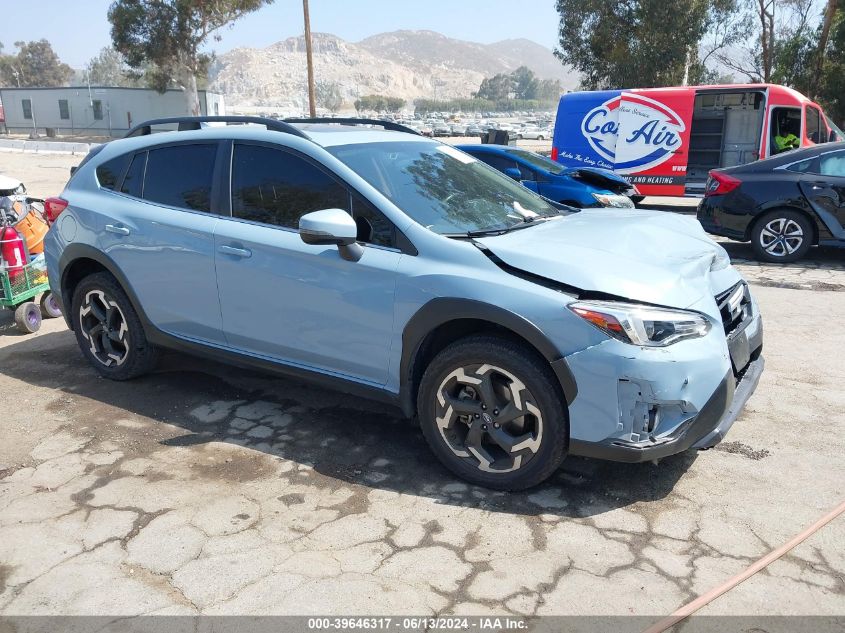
{"points": [[276, 187], [181, 176], [499, 162], [813, 125], [803, 166], [833, 164], [526, 173], [373, 227], [133, 182], [110, 172]]}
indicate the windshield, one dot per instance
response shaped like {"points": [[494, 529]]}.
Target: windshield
{"points": [[442, 188], [840, 135], [539, 161]]}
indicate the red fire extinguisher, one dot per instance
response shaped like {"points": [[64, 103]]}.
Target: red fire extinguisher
{"points": [[12, 252]]}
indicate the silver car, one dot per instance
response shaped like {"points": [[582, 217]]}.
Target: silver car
{"points": [[516, 331]]}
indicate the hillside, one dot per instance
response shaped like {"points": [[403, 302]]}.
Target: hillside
{"points": [[407, 64]]}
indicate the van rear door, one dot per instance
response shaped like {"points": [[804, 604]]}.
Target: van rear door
{"points": [[586, 129], [653, 139]]}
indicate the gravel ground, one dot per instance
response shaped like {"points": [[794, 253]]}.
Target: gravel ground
{"points": [[208, 489]]}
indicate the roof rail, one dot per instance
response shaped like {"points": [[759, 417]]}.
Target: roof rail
{"points": [[195, 123], [387, 125]]}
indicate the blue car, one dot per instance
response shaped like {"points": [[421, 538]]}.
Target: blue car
{"points": [[580, 187], [516, 330]]}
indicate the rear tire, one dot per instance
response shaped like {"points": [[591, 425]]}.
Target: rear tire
{"points": [[28, 317], [109, 331], [492, 412], [781, 236]]}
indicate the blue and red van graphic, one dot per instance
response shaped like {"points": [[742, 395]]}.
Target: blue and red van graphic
{"points": [[643, 137]]}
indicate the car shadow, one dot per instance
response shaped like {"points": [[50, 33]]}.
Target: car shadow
{"points": [[340, 437], [828, 257]]}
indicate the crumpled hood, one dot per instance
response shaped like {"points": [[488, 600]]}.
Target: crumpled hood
{"points": [[649, 256], [599, 178]]}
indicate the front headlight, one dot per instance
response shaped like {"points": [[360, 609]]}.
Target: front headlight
{"points": [[614, 200], [641, 325]]}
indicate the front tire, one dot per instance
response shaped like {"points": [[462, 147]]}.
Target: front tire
{"points": [[781, 236], [109, 331], [492, 412]]}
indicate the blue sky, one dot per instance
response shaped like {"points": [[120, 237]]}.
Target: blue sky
{"points": [[78, 29]]}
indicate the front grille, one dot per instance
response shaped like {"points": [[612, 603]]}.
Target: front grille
{"points": [[734, 306]]}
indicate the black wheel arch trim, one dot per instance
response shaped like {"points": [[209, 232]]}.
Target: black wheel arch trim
{"points": [[76, 252], [442, 310]]}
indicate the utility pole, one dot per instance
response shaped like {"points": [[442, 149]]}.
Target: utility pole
{"points": [[312, 98]]}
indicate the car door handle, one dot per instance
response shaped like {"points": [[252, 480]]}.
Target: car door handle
{"points": [[232, 250], [117, 229]]}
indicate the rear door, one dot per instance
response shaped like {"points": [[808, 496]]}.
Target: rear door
{"points": [[652, 147], [294, 302], [826, 190], [160, 233]]}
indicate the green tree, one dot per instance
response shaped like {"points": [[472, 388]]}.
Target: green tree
{"points": [[659, 46], [497, 87], [169, 35], [108, 68], [329, 95], [394, 104], [34, 64], [831, 85], [549, 90], [525, 83], [378, 103]]}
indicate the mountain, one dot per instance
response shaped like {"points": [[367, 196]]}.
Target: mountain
{"points": [[406, 64]]}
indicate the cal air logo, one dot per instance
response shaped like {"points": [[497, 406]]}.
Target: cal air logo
{"points": [[633, 132]]}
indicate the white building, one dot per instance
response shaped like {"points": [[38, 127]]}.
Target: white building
{"points": [[95, 111]]}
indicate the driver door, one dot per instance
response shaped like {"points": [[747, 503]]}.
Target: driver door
{"points": [[297, 303]]}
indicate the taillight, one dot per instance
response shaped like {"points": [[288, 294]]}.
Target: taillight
{"points": [[554, 153], [720, 183], [53, 207]]}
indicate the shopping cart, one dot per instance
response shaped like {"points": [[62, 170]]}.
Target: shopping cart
{"points": [[23, 279]]}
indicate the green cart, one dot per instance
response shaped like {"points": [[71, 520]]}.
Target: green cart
{"points": [[19, 288]]}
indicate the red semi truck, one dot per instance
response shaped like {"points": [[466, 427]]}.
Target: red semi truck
{"points": [[666, 140]]}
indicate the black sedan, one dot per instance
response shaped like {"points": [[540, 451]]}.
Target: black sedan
{"points": [[783, 205]]}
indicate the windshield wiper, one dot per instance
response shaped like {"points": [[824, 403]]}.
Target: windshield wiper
{"points": [[525, 223]]}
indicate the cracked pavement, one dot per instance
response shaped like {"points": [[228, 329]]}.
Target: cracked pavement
{"points": [[210, 489]]}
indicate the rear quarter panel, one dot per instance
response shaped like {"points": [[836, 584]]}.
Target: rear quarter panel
{"points": [[759, 194]]}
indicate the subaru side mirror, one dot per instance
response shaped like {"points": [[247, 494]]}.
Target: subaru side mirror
{"points": [[332, 226], [514, 173]]}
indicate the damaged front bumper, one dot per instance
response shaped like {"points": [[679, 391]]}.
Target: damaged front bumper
{"points": [[705, 430], [636, 405]]}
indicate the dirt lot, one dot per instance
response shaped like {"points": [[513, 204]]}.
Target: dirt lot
{"points": [[208, 489]]}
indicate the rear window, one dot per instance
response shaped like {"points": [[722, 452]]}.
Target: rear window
{"points": [[133, 182], [803, 166], [181, 176], [110, 172]]}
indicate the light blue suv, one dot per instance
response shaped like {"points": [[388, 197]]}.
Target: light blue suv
{"points": [[383, 263]]}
